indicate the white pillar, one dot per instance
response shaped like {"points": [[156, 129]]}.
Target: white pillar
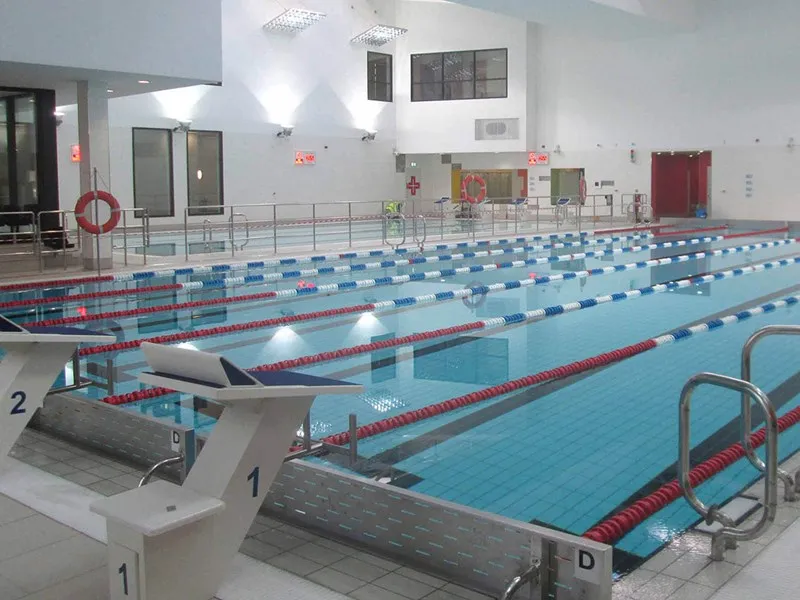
{"points": [[94, 142]]}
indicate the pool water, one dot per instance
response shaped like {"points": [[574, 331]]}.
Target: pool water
{"points": [[565, 454]]}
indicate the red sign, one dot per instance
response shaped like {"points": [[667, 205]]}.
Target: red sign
{"points": [[413, 185], [305, 158], [75, 153], [538, 158]]}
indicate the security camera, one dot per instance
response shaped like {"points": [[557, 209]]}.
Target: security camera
{"points": [[59, 117], [286, 131], [182, 127], [369, 136]]}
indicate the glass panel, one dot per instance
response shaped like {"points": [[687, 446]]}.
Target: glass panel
{"points": [[421, 92], [379, 77], [381, 92], [458, 90], [459, 66], [493, 88], [152, 171], [25, 114], [204, 160], [5, 183], [491, 64], [426, 68]]}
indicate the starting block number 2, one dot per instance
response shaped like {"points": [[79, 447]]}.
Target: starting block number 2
{"points": [[20, 398]]}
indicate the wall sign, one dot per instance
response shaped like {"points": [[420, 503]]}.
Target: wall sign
{"points": [[304, 157], [538, 158], [413, 185], [75, 153]]}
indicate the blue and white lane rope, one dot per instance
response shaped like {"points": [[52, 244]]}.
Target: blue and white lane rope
{"points": [[391, 280], [283, 262], [542, 312]]}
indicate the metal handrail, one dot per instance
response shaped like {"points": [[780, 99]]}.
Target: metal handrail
{"points": [[728, 535], [386, 241], [246, 230], [172, 460], [531, 575], [420, 242], [790, 486]]}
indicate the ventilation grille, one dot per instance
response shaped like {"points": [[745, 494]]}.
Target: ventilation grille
{"points": [[400, 163], [447, 159], [496, 129]]}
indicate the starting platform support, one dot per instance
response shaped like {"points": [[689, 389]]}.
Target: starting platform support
{"points": [[167, 541], [34, 356]]}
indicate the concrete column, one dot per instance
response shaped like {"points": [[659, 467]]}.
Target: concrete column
{"points": [[94, 141]]}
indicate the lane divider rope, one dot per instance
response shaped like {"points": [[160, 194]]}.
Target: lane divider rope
{"points": [[434, 298], [277, 262], [497, 322], [383, 281], [691, 231], [615, 528], [286, 275]]}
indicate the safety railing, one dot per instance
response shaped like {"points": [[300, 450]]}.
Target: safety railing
{"points": [[56, 240], [246, 241], [388, 225], [20, 238], [420, 238], [136, 213], [790, 485], [728, 536]]}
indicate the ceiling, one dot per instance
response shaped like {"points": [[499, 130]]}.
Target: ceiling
{"points": [[599, 18], [64, 80]]}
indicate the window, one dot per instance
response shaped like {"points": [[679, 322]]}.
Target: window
{"points": [[152, 171], [459, 75], [379, 77], [204, 165]]}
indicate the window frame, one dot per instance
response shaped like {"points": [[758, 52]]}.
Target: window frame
{"points": [[220, 166], [390, 83], [444, 81], [171, 170]]}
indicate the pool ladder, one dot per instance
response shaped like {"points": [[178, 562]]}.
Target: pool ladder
{"points": [[419, 238], [729, 535]]}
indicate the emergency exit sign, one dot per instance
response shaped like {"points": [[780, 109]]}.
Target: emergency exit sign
{"points": [[538, 158], [305, 158]]}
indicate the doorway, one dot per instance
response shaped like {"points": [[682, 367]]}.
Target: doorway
{"points": [[680, 183], [565, 183]]}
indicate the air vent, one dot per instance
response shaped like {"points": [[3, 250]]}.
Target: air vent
{"points": [[456, 167], [447, 159], [544, 177], [400, 163], [607, 183], [496, 129]]}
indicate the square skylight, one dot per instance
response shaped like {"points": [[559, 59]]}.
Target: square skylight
{"points": [[294, 20], [379, 35]]}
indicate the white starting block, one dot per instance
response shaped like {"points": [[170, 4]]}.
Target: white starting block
{"points": [[170, 542], [34, 356]]}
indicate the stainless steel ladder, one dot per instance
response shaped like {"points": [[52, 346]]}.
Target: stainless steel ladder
{"points": [[420, 241], [728, 536], [386, 221], [232, 228]]}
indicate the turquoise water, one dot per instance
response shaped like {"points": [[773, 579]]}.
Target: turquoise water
{"points": [[565, 455]]}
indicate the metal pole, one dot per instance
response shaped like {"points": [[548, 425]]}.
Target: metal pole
{"points": [[516, 216], [441, 221], [233, 243], [185, 232], [64, 226], [353, 438], [125, 235], [37, 243], [110, 375], [350, 224], [492, 203], [307, 432], [97, 222], [76, 368], [275, 228], [314, 225], [145, 237]]}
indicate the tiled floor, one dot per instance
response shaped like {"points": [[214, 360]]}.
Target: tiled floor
{"points": [[74, 563]]}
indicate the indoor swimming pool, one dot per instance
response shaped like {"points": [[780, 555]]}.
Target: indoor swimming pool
{"points": [[421, 329]]}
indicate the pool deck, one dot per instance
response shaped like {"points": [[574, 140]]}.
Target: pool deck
{"points": [[53, 548]]}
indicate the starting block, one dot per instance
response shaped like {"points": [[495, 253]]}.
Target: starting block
{"points": [[167, 541], [34, 356]]}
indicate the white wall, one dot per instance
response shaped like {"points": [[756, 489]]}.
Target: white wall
{"points": [[178, 38], [721, 87], [315, 81], [450, 126]]}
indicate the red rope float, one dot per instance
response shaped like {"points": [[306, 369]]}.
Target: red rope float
{"points": [[90, 295], [201, 333], [626, 520]]}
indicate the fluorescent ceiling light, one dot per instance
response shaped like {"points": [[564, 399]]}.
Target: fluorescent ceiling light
{"points": [[379, 35], [294, 20]]}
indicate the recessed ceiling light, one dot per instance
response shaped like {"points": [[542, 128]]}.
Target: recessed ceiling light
{"points": [[294, 20], [110, 91], [144, 81], [379, 35]]}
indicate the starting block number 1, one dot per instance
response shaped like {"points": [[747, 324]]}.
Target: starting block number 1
{"points": [[123, 568]]}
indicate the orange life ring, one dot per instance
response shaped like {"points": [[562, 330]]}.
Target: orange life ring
{"points": [[481, 195], [85, 223]]}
